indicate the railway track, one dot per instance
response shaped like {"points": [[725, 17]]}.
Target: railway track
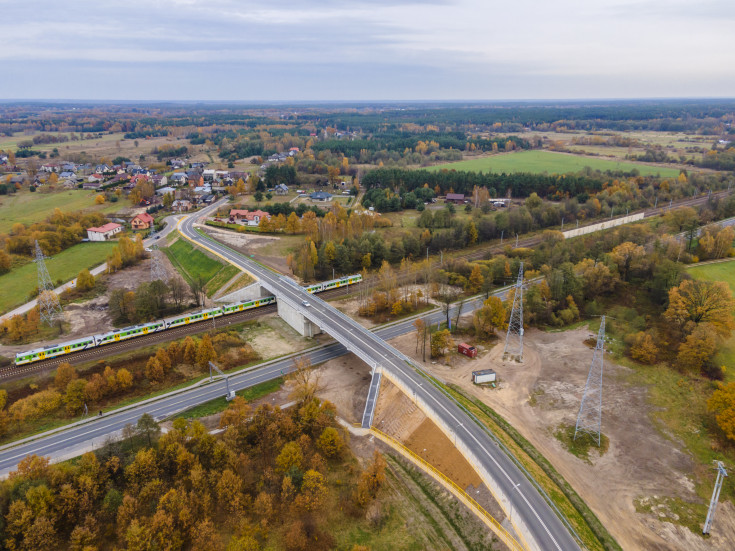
{"points": [[101, 352]]}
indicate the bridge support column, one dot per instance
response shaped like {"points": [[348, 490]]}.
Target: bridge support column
{"points": [[297, 320], [252, 291]]}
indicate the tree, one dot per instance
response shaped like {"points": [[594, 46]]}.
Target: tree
{"points": [[722, 404], [124, 379], [441, 341], [643, 349], [698, 349], [313, 491], [85, 280], [420, 326], [371, 480], [99, 200], [330, 442], [694, 302], [147, 426], [476, 280], [75, 395], [471, 233], [206, 352], [154, 371], [65, 373], [178, 291], [293, 224], [307, 380], [490, 317], [290, 456], [627, 255], [198, 288], [5, 262]]}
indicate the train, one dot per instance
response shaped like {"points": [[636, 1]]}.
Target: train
{"points": [[93, 341]]}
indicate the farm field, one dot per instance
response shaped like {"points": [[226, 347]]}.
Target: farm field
{"points": [[27, 207], [19, 283], [553, 163], [723, 271], [193, 263]]}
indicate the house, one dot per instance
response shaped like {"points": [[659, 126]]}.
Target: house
{"points": [[246, 217], [483, 376], [103, 233], [50, 167], [159, 180], [69, 184], [94, 186], [95, 178], [142, 221], [181, 205], [102, 169], [178, 178], [68, 167], [165, 190], [209, 175], [67, 175], [207, 199], [456, 198], [281, 189], [132, 168], [320, 196], [177, 163], [195, 180], [138, 178]]}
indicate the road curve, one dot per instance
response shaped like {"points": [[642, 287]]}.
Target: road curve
{"points": [[543, 529]]}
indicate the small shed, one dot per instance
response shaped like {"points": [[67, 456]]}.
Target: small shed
{"points": [[466, 349], [483, 376]]}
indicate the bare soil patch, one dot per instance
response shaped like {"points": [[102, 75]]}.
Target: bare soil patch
{"points": [[545, 391], [249, 244]]}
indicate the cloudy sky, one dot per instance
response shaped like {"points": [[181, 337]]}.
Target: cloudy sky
{"points": [[258, 50]]}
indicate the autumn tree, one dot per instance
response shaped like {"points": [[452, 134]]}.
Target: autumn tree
{"points": [[330, 442], [65, 373], [306, 380], [441, 342], [490, 317], [206, 352], [627, 256], [75, 396], [694, 302], [476, 280], [643, 349], [85, 280], [698, 349], [722, 404], [371, 480]]}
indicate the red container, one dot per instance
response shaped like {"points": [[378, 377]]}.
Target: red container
{"points": [[467, 350]]}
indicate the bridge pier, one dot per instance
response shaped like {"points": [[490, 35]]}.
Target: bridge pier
{"points": [[250, 292], [297, 320]]}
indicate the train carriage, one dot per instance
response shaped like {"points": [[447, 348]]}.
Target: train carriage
{"points": [[129, 332], [185, 319], [54, 350], [248, 304]]}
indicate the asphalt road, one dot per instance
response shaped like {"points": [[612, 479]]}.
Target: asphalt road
{"points": [[544, 528]]}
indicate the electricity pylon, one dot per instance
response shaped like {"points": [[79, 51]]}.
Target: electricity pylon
{"points": [[49, 306], [158, 272], [721, 474], [514, 336], [589, 418]]}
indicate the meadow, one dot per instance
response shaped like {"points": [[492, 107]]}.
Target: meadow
{"points": [[554, 163], [722, 271], [193, 263], [18, 284], [27, 207]]}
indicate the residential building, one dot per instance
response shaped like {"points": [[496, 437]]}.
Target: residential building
{"points": [[320, 196], [457, 198], [246, 217], [281, 189], [103, 233], [142, 221], [181, 205]]}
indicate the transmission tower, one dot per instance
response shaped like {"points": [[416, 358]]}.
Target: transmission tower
{"points": [[48, 301], [514, 338], [158, 272], [721, 474], [589, 418]]}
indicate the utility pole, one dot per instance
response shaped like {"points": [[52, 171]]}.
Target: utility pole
{"points": [[514, 337], [230, 393], [589, 418], [721, 474], [48, 301]]}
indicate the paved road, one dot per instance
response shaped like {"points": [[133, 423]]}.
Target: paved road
{"points": [[544, 529], [170, 226]]}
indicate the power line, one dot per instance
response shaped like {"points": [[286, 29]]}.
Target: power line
{"points": [[589, 418], [158, 272], [514, 337], [49, 306], [721, 474]]}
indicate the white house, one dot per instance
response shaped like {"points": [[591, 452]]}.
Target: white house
{"points": [[103, 233]]}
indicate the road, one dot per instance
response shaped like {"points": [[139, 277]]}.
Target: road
{"points": [[543, 527], [170, 226]]}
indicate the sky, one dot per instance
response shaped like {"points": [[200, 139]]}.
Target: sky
{"points": [[377, 50]]}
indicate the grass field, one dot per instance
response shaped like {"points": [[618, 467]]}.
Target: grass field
{"points": [[723, 271], [18, 284], [553, 163], [27, 207], [193, 263]]}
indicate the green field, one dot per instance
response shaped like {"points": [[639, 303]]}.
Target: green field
{"points": [[553, 163], [19, 283], [723, 271], [27, 207], [193, 263]]}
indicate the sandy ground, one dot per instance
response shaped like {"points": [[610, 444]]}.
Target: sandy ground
{"points": [[639, 463], [274, 337], [248, 243]]}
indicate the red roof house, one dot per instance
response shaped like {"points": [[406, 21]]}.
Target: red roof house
{"points": [[142, 221]]}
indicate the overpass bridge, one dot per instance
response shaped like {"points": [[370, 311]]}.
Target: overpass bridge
{"points": [[534, 520]]}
